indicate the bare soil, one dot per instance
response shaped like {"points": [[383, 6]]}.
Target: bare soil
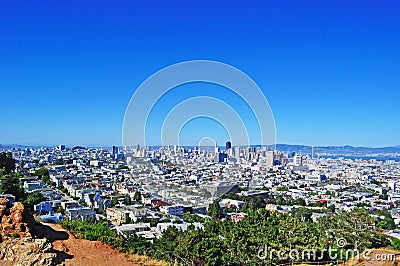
{"points": [[81, 252]]}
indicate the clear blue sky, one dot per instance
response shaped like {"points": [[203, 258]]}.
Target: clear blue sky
{"points": [[329, 69]]}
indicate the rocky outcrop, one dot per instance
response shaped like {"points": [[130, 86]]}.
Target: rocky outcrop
{"points": [[12, 220], [24, 252], [17, 245]]}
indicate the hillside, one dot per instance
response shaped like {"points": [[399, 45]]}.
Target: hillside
{"points": [[83, 252], [26, 243]]}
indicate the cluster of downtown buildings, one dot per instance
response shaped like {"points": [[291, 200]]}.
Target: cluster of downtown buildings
{"points": [[126, 185]]}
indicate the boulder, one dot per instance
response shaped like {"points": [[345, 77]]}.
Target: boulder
{"points": [[17, 245]]}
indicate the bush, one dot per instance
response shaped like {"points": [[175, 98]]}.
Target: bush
{"points": [[100, 231]]}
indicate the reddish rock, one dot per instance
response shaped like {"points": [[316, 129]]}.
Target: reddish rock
{"points": [[17, 246]]}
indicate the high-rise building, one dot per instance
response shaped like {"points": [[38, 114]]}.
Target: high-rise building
{"points": [[312, 152], [220, 157], [61, 147], [297, 160], [216, 149], [237, 152], [228, 145], [269, 158], [114, 150]]}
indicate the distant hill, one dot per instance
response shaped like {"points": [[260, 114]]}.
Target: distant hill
{"points": [[339, 150]]}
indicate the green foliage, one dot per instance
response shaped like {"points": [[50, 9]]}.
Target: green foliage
{"points": [[384, 197], [254, 203], [127, 200], [331, 208], [100, 231], [33, 199], [192, 218], [387, 223], [137, 197], [114, 201], [214, 210], [10, 184], [43, 173], [7, 162], [237, 243], [356, 226], [283, 188], [152, 221], [231, 195], [63, 189], [303, 214], [280, 201], [396, 243], [228, 242], [300, 202]]}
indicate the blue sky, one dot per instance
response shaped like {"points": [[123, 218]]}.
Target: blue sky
{"points": [[329, 69]]}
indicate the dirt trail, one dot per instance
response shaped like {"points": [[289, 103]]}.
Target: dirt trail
{"points": [[81, 252]]}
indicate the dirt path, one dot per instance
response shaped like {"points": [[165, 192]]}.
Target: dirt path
{"points": [[80, 252]]}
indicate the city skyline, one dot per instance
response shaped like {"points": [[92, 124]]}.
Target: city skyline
{"points": [[328, 71]]}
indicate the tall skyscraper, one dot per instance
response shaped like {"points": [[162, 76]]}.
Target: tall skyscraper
{"points": [[114, 150], [216, 149], [312, 152], [269, 158], [297, 160], [228, 145]]}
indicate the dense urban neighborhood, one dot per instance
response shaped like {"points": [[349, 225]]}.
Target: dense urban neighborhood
{"points": [[147, 191]]}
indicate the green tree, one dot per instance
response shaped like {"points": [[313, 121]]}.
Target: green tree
{"points": [[283, 188], [7, 162], [387, 223], [33, 199], [41, 172], [214, 210], [300, 202], [10, 184], [396, 243], [303, 214], [280, 201], [254, 203], [331, 208], [384, 197], [114, 201], [137, 197], [127, 200]]}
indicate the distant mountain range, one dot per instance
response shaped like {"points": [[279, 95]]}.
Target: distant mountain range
{"points": [[341, 150]]}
